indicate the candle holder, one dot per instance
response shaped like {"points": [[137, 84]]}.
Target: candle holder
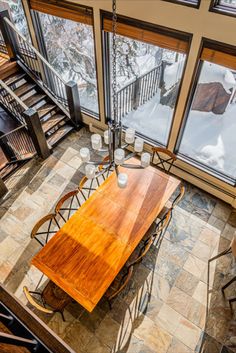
{"points": [[113, 136]]}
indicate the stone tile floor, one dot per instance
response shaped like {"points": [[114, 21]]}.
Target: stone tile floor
{"points": [[163, 310]]}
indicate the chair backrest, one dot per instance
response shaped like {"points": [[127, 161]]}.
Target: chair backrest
{"points": [[178, 197], [148, 243], [161, 227], [125, 280], [34, 303], [107, 171], [164, 158], [68, 203], [44, 228]]}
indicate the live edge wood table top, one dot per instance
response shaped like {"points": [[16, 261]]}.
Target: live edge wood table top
{"points": [[87, 253]]}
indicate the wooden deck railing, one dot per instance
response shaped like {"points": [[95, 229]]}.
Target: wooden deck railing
{"points": [[138, 92]]}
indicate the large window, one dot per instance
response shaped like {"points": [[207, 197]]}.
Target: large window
{"points": [[18, 16], [193, 3], [224, 6], [209, 134], [148, 78], [65, 36]]}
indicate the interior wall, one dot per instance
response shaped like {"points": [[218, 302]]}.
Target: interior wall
{"points": [[201, 23]]}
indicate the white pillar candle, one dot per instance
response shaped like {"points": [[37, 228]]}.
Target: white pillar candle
{"points": [[145, 159], [138, 145], [106, 137], [96, 141], [129, 135], [84, 154], [119, 156], [122, 180], [90, 171]]}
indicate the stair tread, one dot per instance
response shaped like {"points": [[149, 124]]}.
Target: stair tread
{"points": [[14, 78], [59, 134], [25, 88], [34, 99], [52, 121], [45, 109]]}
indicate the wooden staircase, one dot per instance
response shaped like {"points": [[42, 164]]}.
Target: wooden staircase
{"points": [[56, 123]]}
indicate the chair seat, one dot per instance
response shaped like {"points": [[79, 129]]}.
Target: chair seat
{"points": [[55, 297]]}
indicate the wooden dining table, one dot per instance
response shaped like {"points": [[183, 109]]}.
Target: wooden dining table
{"points": [[87, 253]]}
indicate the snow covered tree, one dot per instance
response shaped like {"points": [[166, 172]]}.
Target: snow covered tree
{"points": [[18, 16]]}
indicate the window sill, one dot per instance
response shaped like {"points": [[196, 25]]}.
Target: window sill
{"points": [[194, 4], [204, 168]]}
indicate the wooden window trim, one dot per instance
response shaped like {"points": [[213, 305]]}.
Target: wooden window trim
{"points": [[219, 58], [206, 48], [195, 5], [221, 9], [64, 9], [149, 33]]}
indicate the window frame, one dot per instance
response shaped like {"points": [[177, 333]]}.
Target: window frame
{"points": [[227, 49], [106, 65], [221, 9], [42, 48], [189, 3]]}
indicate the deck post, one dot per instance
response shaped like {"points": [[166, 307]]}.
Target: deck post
{"points": [[72, 93], [9, 37], [36, 133], [136, 94]]}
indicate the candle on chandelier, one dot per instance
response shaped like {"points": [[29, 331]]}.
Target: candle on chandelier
{"points": [[122, 180], [119, 156], [96, 141], [129, 135], [106, 137], [84, 154], [145, 159], [138, 145], [90, 171]]}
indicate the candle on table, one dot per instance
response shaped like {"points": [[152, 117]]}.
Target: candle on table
{"points": [[119, 156], [90, 171], [96, 141], [145, 159], [122, 180], [84, 154], [106, 137], [138, 145], [129, 135]]}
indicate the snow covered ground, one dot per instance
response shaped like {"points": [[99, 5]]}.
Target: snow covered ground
{"points": [[151, 119], [210, 139]]}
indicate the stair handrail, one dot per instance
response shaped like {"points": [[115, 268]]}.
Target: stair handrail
{"points": [[13, 95], [34, 49]]}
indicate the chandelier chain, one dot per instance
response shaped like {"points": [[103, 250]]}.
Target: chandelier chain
{"points": [[114, 57]]}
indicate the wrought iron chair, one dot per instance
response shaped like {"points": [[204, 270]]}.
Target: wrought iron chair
{"points": [[106, 171], [87, 186], [45, 227], [162, 157], [170, 205], [121, 281], [233, 299], [69, 203], [53, 299], [119, 284]]}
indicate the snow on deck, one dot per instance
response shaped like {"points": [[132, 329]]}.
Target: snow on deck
{"points": [[151, 119], [210, 139], [216, 73]]}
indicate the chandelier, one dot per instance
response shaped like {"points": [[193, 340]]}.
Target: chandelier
{"points": [[113, 136]]}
